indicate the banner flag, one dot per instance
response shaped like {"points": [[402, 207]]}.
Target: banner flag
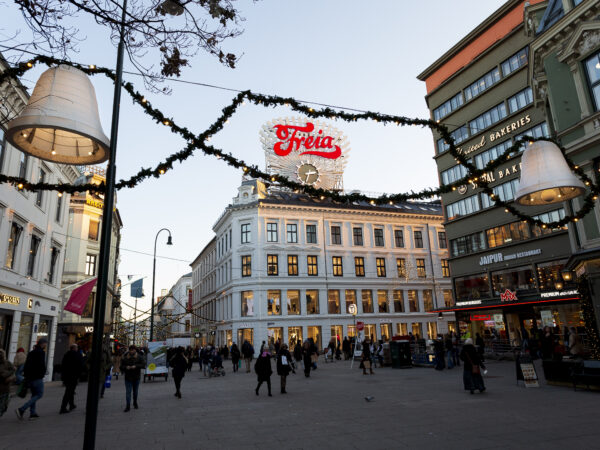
{"points": [[79, 297], [137, 288]]}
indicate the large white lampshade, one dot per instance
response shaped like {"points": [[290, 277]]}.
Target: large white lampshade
{"points": [[545, 176], [60, 122]]}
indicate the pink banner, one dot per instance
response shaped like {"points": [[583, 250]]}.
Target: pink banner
{"points": [[79, 297]]}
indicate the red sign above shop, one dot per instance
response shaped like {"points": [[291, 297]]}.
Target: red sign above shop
{"points": [[360, 326], [508, 296], [288, 141], [481, 317]]}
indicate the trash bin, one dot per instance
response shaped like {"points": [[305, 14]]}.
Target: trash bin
{"points": [[400, 353]]}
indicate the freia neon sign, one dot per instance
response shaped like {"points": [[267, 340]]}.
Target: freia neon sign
{"points": [[288, 142]]}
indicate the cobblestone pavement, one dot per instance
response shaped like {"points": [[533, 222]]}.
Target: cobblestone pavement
{"points": [[412, 408]]}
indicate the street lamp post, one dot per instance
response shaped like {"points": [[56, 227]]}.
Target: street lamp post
{"points": [[169, 242]]}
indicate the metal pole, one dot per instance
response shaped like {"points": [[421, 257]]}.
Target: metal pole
{"points": [[135, 321], [153, 281], [91, 409]]}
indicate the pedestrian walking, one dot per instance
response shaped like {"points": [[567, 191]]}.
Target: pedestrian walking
{"points": [[380, 353], [448, 347], [455, 350], [248, 353], [330, 350], [306, 358], [284, 362], [7, 377], [189, 357], [438, 348], [34, 372], [472, 366], [70, 371], [205, 356], [366, 357], [179, 364], [19, 363], [263, 370], [131, 365], [346, 348], [235, 356], [480, 344], [314, 353], [298, 353]]}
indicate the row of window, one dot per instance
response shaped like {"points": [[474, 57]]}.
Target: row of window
{"points": [[14, 240], [336, 235], [492, 77], [504, 234], [334, 306], [522, 280], [482, 159], [312, 267], [487, 119]]}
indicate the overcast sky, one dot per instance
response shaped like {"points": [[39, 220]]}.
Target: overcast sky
{"points": [[358, 54]]}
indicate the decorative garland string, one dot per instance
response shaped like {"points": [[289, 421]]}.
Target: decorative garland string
{"points": [[201, 140]]}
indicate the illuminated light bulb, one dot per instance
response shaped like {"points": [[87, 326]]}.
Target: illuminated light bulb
{"points": [[60, 194], [310, 109], [89, 153], [322, 197], [24, 134], [577, 167], [245, 169], [391, 203], [166, 122], [144, 100], [505, 210], [244, 103], [453, 188], [227, 121], [29, 64], [161, 171], [272, 178], [530, 142], [548, 195], [20, 185], [372, 202], [92, 66], [53, 152], [437, 121], [544, 226], [598, 65], [575, 219]]}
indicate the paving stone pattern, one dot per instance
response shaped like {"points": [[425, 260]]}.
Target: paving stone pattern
{"points": [[412, 408]]}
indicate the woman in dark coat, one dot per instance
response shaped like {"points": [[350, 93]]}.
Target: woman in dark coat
{"points": [[179, 364], [298, 353], [284, 365], [472, 367], [235, 356], [306, 358], [263, 370]]}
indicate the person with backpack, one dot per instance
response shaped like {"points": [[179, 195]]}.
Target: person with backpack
{"points": [[284, 365], [248, 353]]}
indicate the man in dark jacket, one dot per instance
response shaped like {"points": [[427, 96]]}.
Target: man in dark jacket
{"points": [[71, 367], [131, 365], [248, 352], [34, 372]]}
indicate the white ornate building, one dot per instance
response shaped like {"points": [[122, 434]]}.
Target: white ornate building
{"points": [[174, 311], [288, 267]]}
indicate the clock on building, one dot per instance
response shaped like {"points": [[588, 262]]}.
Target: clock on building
{"points": [[308, 174]]}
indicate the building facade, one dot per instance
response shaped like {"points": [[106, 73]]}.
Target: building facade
{"points": [[81, 264], [506, 274], [289, 267], [175, 311], [203, 292], [565, 74], [33, 240]]}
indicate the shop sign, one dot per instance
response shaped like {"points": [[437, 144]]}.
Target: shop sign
{"points": [[469, 302], [481, 317], [385, 320], [360, 326], [492, 177], [559, 293], [508, 296], [95, 203], [522, 121], [10, 299], [89, 329], [310, 152], [501, 257]]}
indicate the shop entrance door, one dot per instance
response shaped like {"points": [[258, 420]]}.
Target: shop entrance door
{"points": [[275, 334], [294, 337]]}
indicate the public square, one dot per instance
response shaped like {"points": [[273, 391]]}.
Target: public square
{"points": [[412, 408]]}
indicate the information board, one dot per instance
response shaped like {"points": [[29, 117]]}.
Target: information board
{"points": [[157, 358]]}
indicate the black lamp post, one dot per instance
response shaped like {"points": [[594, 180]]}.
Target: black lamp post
{"points": [[169, 242]]}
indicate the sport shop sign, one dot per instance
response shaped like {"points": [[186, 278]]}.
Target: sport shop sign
{"points": [[309, 152]]}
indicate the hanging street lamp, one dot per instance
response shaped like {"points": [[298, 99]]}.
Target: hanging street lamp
{"points": [[546, 177]]}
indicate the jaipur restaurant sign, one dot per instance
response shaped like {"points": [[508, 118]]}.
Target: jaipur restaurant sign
{"points": [[307, 151]]}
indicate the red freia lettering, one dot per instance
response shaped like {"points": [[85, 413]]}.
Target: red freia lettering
{"points": [[287, 135]]}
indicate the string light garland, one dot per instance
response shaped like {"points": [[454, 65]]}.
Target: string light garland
{"points": [[200, 142]]}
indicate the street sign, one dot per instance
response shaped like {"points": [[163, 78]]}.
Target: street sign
{"points": [[360, 326], [352, 309]]}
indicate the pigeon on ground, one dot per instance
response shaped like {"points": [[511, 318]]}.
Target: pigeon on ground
{"points": [[369, 398]]}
